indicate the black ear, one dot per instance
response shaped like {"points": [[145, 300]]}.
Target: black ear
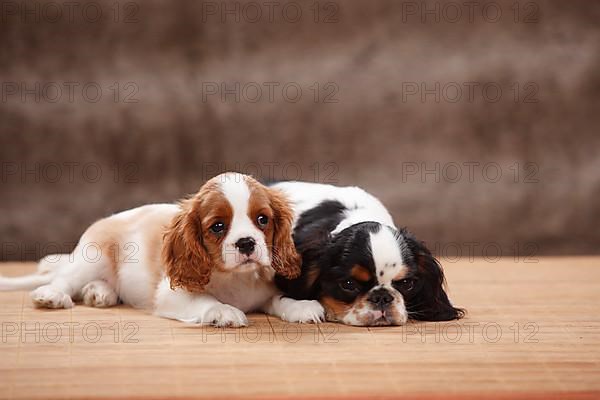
{"points": [[307, 285], [304, 287], [312, 239], [429, 301]]}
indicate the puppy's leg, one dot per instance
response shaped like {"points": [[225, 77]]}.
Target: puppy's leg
{"points": [[99, 294], [291, 310], [70, 277], [201, 309]]}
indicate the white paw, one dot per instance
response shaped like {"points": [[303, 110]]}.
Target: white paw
{"points": [[49, 297], [99, 294], [222, 315], [303, 311]]}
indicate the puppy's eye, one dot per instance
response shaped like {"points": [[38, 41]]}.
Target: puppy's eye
{"points": [[217, 227], [262, 220], [349, 285], [404, 285]]}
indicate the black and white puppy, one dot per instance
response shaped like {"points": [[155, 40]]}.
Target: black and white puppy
{"points": [[362, 269]]}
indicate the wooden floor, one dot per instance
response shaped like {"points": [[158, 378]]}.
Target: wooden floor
{"points": [[532, 331]]}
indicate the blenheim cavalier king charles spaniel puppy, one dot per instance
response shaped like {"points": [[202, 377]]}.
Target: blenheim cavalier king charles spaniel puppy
{"points": [[207, 260], [362, 269]]}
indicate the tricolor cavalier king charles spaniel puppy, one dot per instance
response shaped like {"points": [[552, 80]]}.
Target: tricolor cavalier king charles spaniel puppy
{"points": [[207, 260], [362, 269]]}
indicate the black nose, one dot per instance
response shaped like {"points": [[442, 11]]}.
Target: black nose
{"points": [[245, 245], [380, 297]]}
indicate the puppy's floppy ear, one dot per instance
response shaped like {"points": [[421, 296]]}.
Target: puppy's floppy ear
{"points": [[429, 301], [285, 259], [188, 263]]}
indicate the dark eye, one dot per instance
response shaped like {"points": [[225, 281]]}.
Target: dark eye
{"points": [[217, 227], [262, 220], [405, 285], [349, 285]]}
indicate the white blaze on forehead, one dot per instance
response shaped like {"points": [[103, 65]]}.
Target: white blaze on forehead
{"points": [[235, 188], [386, 255], [236, 191]]}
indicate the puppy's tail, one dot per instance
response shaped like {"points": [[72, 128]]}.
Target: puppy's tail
{"points": [[46, 271], [26, 282]]}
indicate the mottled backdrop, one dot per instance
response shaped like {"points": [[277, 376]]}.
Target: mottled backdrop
{"points": [[477, 123]]}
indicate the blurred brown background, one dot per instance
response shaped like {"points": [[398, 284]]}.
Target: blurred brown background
{"points": [[477, 125]]}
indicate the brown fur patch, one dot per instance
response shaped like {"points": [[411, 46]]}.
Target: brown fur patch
{"points": [[190, 251], [113, 237], [335, 310], [213, 207], [285, 260], [360, 273]]}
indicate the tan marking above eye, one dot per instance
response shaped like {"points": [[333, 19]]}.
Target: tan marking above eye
{"points": [[401, 275], [360, 273], [263, 211]]}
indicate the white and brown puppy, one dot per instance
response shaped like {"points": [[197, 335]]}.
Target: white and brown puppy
{"points": [[207, 260]]}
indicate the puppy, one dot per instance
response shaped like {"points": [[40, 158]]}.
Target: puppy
{"points": [[362, 269], [207, 260]]}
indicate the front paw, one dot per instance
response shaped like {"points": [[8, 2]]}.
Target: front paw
{"points": [[224, 315], [304, 311]]}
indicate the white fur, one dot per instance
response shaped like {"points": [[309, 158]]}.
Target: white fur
{"points": [[226, 287], [386, 255], [291, 310], [203, 309], [361, 205]]}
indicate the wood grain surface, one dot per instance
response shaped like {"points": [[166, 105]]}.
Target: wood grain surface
{"points": [[532, 331]]}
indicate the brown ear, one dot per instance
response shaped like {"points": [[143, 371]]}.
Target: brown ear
{"points": [[285, 259], [187, 261]]}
